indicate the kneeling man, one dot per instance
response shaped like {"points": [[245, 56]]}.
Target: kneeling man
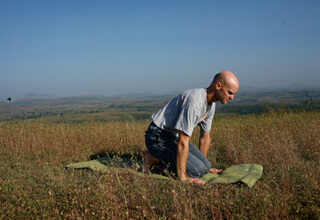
{"points": [[168, 136]]}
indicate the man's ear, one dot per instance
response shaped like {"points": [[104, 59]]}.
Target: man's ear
{"points": [[218, 85]]}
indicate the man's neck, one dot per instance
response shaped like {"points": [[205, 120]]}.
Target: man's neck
{"points": [[210, 96]]}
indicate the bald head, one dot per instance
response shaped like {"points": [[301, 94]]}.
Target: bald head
{"points": [[223, 87], [226, 78]]}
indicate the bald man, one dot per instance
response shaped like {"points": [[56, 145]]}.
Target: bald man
{"points": [[168, 136]]}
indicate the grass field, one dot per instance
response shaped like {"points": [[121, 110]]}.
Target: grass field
{"points": [[35, 185]]}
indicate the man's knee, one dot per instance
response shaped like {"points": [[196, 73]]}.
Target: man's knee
{"points": [[197, 171]]}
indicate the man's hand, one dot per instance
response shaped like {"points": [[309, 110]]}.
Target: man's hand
{"points": [[195, 180], [214, 170]]}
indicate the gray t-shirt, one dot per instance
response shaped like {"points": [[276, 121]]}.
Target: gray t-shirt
{"points": [[184, 113]]}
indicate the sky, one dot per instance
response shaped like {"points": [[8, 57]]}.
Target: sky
{"points": [[78, 47]]}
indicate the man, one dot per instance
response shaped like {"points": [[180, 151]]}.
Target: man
{"points": [[168, 136]]}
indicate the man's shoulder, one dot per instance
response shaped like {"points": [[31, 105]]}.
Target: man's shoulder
{"points": [[194, 91], [194, 96]]}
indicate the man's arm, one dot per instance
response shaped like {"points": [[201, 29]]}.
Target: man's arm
{"points": [[204, 142], [204, 145], [182, 157]]}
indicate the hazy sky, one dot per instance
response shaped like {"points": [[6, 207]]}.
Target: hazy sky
{"points": [[78, 47]]}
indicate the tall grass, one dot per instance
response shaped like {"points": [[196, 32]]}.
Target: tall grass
{"points": [[34, 183]]}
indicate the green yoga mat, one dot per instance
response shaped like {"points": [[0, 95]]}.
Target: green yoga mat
{"points": [[242, 173]]}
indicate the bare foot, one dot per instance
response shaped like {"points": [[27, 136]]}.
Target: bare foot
{"points": [[149, 159]]}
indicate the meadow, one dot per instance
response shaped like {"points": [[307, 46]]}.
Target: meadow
{"points": [[35, 185]]}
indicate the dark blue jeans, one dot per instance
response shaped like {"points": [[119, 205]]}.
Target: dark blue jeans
{"points": [[163, 145]]}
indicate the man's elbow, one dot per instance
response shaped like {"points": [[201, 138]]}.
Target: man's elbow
{"points": [[205, 135], [182, 145]]}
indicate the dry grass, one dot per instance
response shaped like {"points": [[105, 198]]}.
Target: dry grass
{"points": [[34, 183]]}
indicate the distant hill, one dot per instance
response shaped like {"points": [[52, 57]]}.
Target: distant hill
{"points": [[276, 96], [143, 105], [293, 86], [244, 96], [4, 108], [39, 96], [58, 101], [137, 95]]}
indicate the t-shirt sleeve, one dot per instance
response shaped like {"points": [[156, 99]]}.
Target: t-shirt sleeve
{"points": [[187, 119], [206, 124]]}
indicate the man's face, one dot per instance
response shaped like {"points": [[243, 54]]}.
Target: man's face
{"points": [[226, 92]]}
